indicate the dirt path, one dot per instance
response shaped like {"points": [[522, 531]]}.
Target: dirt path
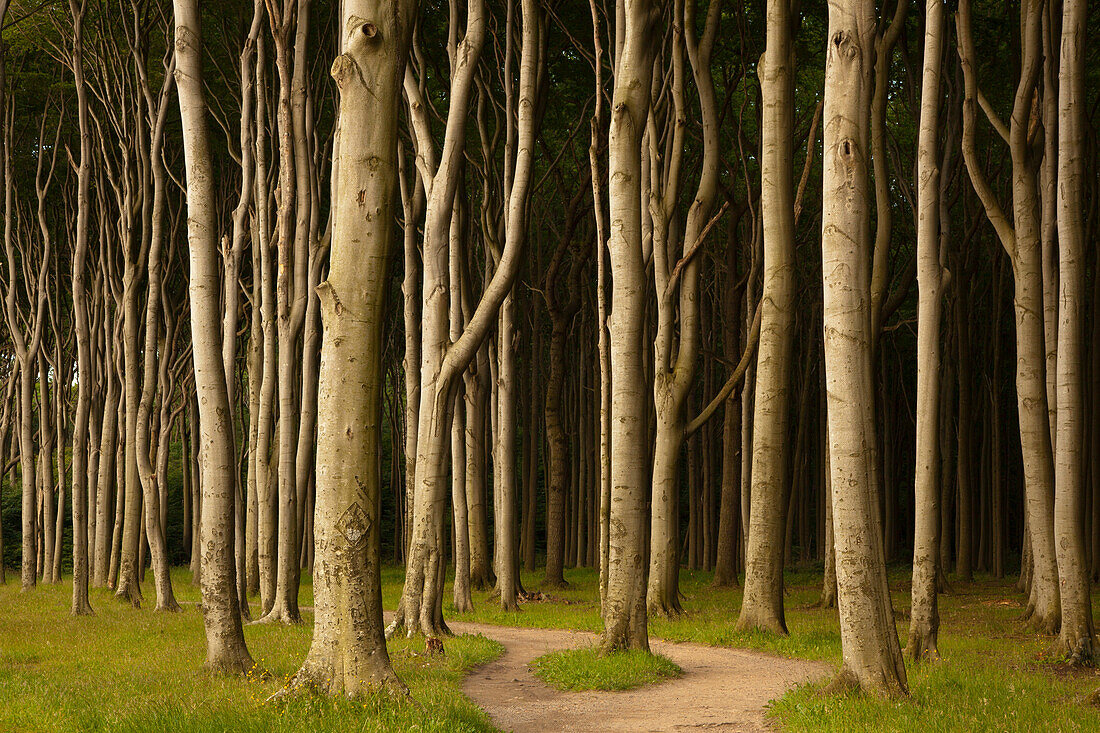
{"points": [[720, 690]]}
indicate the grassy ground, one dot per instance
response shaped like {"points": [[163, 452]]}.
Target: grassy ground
{"points": [[588, 669], [127, 670], [136, 670], [994, 674]]}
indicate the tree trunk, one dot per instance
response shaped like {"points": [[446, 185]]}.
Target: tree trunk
{"points": [[762, 607], [225, 647], [1077, 628], [871, 654], [1021, 240], [348, 654], [924, 621], [624, 604]]}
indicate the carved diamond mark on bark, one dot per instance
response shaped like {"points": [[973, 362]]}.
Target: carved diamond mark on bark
{"points": [[353, 525]]}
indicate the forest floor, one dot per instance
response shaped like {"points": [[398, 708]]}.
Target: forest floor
{"points": [[994, 673], [720, 689], [128, 669]]}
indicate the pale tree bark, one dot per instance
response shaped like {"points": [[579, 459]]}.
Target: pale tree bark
{"points": [[624, 603], [870, 650], [290, 296], [26, 335], [421, 603], [461, 522], [311, 255], [518, 166], [81, 477], [348, 654], [137, 140], [1021, 239], [602, 346], [150, 480], [412, 204], [443, 361], [762, 607], [264, 309], [1077, 635], [46, 436], [504, 448], [242, 234], [1048, 210], [677, 282], [108, 431], [924, 618], [225, 646]]}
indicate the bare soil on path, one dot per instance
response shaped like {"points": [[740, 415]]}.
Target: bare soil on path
{"points": [[721, 689]]}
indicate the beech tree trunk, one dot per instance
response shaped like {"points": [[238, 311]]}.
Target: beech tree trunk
{"points": [[762, 607], [1077, 633], [225, 647], [924, 619], [624, 603], [871, 653], [81, 477], [1020, 237], [348, 654]]}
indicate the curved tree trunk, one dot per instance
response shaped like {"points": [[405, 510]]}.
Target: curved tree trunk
{"points": [[1020, 237]]}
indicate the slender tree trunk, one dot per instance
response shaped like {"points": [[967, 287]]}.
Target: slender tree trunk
{"points": [[1021, 239], [624, 604], [477, 391], [924, 618], [1077, 627], [225, 647], [964, 474], [557, 456], [762, 607], [504, 500]]}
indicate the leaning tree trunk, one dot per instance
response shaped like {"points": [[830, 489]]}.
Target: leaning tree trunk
{"points": [[1020, 238], [871, 654], [442, 364], [148, 477], [679, 301], [225, 647], [348, 655]]}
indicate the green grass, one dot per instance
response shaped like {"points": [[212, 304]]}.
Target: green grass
{"points": [[136, 670], [588, 669], [709, 618], [139, 670], [994, 673]]}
